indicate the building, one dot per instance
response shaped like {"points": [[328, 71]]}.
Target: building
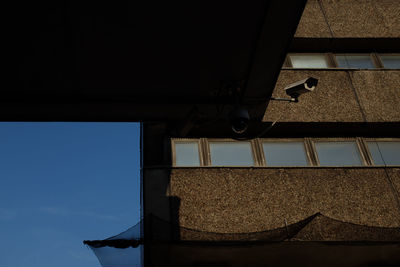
{"points": [[144, 61], [310, 183], [315, 183]]}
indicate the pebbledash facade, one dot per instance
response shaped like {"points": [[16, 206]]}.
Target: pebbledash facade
{"points": [[321, 186]]}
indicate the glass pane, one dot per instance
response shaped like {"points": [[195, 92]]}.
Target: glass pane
{"points": [[338, 154], [285, 154], [391, 62], [187, 154], [356, 62], [231, 154], [309, 61], [385, 153]]}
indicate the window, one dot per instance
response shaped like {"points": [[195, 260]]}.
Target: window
{"points": [[308, 61], [345, 61], [231, 153], [288, 152], [187, 153], [355, 61], [384, 153], [285, 154], [390, 61], [338, 153]]}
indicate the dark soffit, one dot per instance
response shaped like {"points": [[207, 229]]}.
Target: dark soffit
{"points": [[141, 60]]}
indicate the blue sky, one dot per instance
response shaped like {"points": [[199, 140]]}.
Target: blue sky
{"points": [[62, 183]]}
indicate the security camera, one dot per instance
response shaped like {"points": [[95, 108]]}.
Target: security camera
{"points": [[296, 89], [239, 119]]}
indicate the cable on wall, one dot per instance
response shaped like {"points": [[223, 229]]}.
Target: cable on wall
{"points": [[389, 179], [325, 17], [356, 96], [267, 129]]}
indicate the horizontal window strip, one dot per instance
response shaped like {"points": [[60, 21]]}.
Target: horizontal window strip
{"points": [[343, 61], [278, 152]]}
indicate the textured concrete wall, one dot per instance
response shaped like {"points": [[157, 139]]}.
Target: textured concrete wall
{"points": [[313, 24], [379, 94], [244, 200], [341, 96], [350, 18], [394, 175]]}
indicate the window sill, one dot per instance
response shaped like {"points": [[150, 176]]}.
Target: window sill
{"points": [[339, 69], [286, 167]]}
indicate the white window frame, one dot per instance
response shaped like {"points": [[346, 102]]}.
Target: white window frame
{"points": [[382, 65], [182, 140], [307, 149], [288, 61], [253, 147], [364, 161], [368, 152]]}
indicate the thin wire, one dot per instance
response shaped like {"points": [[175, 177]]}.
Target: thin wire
{"points": [[273, 124], [364, 116], [266, 129], [325, 17], [391, 184], [287, 229]]}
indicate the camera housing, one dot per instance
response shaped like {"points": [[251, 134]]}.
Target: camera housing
{"points": [[239, 119], [298, 88]]}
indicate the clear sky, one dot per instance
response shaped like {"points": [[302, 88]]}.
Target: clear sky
{"points": [[62, 183]]}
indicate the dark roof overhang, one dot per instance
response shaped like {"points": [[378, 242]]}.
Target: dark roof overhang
{"points": [[141, 61]]}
